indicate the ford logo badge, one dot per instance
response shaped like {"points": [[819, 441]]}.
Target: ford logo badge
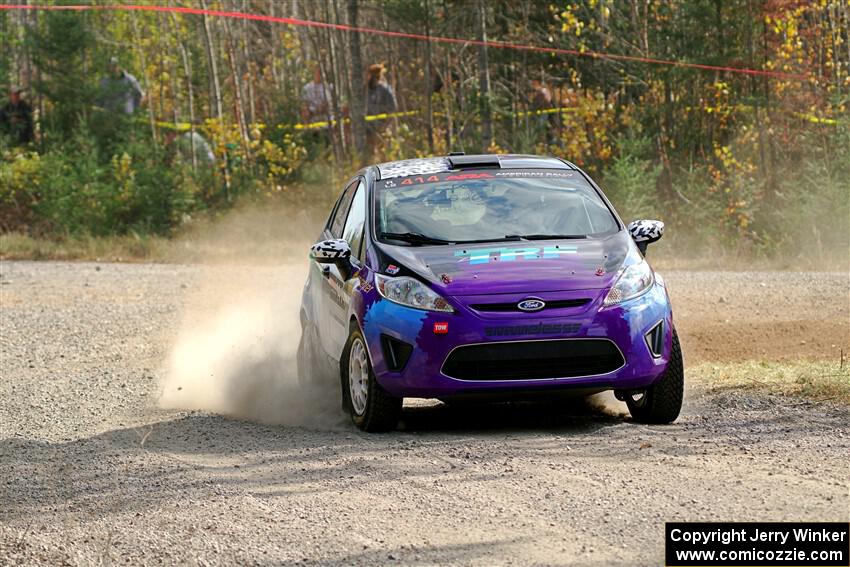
{"points": [[531, 305]]}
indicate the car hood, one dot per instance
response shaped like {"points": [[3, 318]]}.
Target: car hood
{"points": [[515, 267]]}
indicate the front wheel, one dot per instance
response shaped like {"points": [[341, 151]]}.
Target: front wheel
{"points": [[661, 402], [372, 408]]}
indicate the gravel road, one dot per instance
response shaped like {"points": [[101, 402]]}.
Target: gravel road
{"points": [[93, 471]]}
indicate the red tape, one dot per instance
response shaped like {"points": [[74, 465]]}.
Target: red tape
{"points": [[418, 37]]}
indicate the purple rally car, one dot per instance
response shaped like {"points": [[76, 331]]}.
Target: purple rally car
{"points": [[502, 276]]}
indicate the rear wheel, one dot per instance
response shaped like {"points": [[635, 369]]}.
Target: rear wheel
{"points": [[661, 402], [371, 407]]}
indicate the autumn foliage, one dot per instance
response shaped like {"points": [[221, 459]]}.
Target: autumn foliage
{"points": [[759, 164]]}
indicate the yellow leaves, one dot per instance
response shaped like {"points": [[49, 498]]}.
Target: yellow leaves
{"points": [[289, 41], [224, 136], [20, 172], [721, 88], [122, 172], [585, 133], [737, 213], [570, 23], [281, 161], [256, 130]]}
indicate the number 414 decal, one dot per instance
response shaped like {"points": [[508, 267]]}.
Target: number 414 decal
{"points": [[420, 179]]}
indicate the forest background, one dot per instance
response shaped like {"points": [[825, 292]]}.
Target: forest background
{"points": [[746, 165]]}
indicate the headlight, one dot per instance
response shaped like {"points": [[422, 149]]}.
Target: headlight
{"points": [[632, 282], [412, 293]]}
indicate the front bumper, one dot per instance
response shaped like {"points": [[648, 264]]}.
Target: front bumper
{"points": [[424, 373]]}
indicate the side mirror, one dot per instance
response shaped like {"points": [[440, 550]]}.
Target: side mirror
{"points": [[330, 251], [645, 232]]}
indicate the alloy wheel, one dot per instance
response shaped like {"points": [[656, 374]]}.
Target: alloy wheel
{"points": [[358, 376]]}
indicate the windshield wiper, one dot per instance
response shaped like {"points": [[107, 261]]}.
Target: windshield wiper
{"points": [[413, 238], [506, 238], [550, 236]]}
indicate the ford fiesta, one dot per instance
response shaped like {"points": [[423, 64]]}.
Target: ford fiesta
{"points": [[501, 276]]}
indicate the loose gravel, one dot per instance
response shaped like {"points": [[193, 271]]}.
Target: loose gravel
{"points": [[93, 472]]}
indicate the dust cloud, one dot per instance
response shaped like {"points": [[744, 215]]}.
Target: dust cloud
{"points": [[235, 351], [606, 403]]}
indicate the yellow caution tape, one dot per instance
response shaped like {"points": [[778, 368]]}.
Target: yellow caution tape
{"points": [[179, 126], [816, 119], [560, 110], [749, 108], [325, 123], [186, 126]]}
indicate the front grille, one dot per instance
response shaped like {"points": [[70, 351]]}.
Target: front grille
{"points": [[529, 360], [512, 306]]}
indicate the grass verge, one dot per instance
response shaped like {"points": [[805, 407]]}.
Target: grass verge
{"points": [[274, 232], [127, 248], [817, 380]]}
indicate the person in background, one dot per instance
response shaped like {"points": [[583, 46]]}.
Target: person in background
{"points": [[16, 118], [120, 91], [541, 99], [380, 99], [182, 144], [316, 98]]}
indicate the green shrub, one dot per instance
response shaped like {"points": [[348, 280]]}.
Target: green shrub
{"points": [[630, 184], [71, 190]]}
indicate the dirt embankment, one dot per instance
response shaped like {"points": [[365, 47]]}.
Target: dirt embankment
{"points": [[734, 316]]}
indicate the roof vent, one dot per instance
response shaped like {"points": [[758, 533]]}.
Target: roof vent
{"points": [[474, 161]]}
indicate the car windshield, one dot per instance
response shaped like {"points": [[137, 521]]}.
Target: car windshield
{"points": [[489, 205]]}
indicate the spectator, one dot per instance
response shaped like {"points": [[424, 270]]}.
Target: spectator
{"points": [[316, 98], [541, 100], [16, 118], [380, 99], [182, 144], [120, 92]]}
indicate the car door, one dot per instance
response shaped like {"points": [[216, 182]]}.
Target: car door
{"points": [[342, 285], [322, 291]]}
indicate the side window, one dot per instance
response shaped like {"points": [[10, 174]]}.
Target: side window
{"points": [[353, 230], [341, 211]]}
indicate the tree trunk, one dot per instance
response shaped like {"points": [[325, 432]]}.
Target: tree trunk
{"points": [[358, 103], [215, 95], [239, 106], [339, 81], [428, 79], [249, 75], [484, 78], [141, 51], [278, 83], [187, 72], [448, 100]]}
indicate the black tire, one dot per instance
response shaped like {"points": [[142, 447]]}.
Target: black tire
{"points": [[382, 411], [661, 402]]}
